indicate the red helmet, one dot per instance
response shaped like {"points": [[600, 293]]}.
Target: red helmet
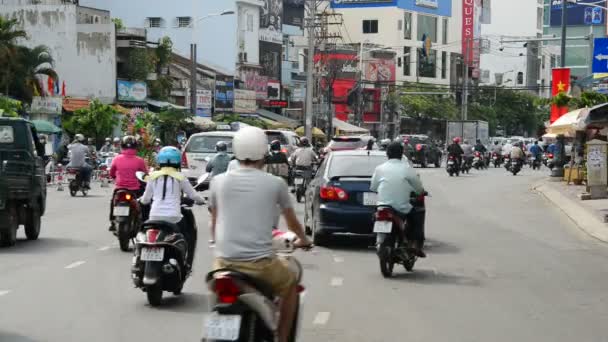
{"points": [[456, 140]]}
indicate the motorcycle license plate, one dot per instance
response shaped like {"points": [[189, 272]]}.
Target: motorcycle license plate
{"points": [[121, 211], [152, 253], [451, 162], [383, 227], [222, 327], [370, 198], [299, 181], [71, 176]]}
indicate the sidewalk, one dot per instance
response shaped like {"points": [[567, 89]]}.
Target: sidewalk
{"points": [[588, 215]]}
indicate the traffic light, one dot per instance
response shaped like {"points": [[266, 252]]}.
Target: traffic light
{"points": [[520, 78]]}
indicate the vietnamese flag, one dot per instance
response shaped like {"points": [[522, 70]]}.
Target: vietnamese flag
{"points": [[50, 85], [559, 84], [63, 89]]}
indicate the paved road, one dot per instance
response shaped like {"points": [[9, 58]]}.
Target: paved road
{"points": [[503, 266]]}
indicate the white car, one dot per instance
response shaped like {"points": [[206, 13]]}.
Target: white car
{"points": [[199, 147]]}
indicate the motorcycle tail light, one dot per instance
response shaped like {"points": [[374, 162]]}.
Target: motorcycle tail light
{"points": [[551, 155], [333, 193], [384, 215], [284, 150], [451, 157], [226, 290], [418, 147], [152, 235], [421, 199], [125, 197], [477, 154]]}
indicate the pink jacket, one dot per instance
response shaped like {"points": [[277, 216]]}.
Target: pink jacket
{"points": [[124, 167]]}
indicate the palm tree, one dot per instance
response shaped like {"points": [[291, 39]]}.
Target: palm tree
{"points": [[33, 63], [9, 34]]}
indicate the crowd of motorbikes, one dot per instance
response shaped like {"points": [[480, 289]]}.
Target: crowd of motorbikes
{"points": [[480, 161]]}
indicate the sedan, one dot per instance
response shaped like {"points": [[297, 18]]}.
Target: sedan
{"points": [[338, 199]]}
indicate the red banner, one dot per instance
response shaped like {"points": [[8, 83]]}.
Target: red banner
{"points": [[468, 31], [560, 84]]}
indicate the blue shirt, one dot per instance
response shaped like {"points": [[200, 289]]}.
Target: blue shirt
{"points": [[394, 181], [535, 150], [551, 148]]}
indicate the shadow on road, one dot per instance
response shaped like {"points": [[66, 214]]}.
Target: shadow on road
{"points": [[349, 243], [42, 246], [195, 303], [10, 337], [438, 247], [437, 278]]}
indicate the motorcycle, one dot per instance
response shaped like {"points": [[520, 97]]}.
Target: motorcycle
{"points": [[534, 163], [478, 161], [467, 163], [507, 163], [76, 183], [391, 238], [452, 166], [244, 308], [550, 163], [127, 217], [516, 167], [300, 183], [496, 159]]}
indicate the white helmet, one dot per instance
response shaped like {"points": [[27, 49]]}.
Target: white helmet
{"points": [[79, 137], [250, 143]]}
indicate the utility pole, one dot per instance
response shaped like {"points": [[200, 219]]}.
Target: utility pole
{"points": [[564, 30], [193, 78], [311, 10], [465, 82]]}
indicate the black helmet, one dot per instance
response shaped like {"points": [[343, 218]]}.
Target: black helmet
{"points": [[275, 145], [128, 141], [394, 150], [221, 146], [304, 142]]}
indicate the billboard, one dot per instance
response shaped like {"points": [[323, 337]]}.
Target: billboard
{"points": [[270, 60], [471, 33], [244, 101], [578, 14], [293, 13], [436, 7], [344, 63], [224, 95], [131, 91], [380, 70], [46, 105], [271, 21], [254, 81]]}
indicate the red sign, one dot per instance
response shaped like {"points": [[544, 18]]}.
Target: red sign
{"points": [[277, 104], [468, 29], [560, 84]]}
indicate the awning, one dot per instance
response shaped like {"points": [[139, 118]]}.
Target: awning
{"points": [[278, 118], [74, 104], [569, 123], [163, 104], [598, 116], [316, 132], [345, 127]]}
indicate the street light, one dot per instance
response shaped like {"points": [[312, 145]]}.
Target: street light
{"points": [[193, 58]]}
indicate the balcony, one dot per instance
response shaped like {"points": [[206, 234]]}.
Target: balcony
{"points": [[132, 32]]}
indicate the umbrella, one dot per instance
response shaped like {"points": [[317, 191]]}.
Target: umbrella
{"points": [[316, 132], [43, 126], [569, 123]]}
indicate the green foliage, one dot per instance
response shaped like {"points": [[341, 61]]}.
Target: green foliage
{"points": [[171, 121], [588, 99], [96, 121], [118, 23], [561, 99], [139, 64], [9, 107], [160, 89], [428, 106], [163, 51], [230, 118], [161, 56]]}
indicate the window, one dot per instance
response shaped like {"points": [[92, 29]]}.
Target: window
{"points": [[183, 21], [155, 22], [444, 65], [354, 165], [444, 31], [427, 25], [407, 57], [427, 65], [399, 25], [206, 143], [407, 26], [539, 18], [370, 26], [7, 135], [250, 22]]}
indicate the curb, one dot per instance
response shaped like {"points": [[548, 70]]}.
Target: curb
{"points": [[581, 217]]}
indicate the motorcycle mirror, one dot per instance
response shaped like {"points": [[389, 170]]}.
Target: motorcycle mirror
{"points": [[207, 159], [201, 180], [142, 176]]}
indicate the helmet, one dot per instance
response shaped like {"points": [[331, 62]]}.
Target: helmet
{"points": [[79, 137], [385, 142], [479, 141], [465, 141], [157, 141], [169, 156], [116, 140], [128, 141], [108, 140], [456, 140], [304, 141], [91, 140], [275, 145], [221, 146], [250, 143]]}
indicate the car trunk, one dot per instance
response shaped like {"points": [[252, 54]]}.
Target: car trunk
{"points": [[16, 172], [357, 189]]}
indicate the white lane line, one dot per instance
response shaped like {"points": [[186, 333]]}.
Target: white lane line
{"points": [[338, 259], [105, 248], [321, 318], [4, 292], [74, 264], [336, 281]]}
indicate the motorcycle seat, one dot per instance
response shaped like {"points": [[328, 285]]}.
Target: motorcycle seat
{"points": [[260, 285], [167, 225]]}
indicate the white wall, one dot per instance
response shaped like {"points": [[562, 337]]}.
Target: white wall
{"points": [[85, 55], [248, 40]]}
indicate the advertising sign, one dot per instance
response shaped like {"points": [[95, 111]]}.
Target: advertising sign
{"points": [[270, 60], [578, 13], [435, 7], [471, 33], [274, 90], [46, 105], [362, 3], [344, 63], [600, 55], [254, 81], [428, 3], [293, 12], [244, 101], [131, 91], [271, 24], [380, 70], [224, 95]]}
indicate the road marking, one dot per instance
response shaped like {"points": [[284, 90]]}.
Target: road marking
{"points": [[104, 248], [4, 292], [321, 318], [74, 264], [338, 259], [337, 281]]}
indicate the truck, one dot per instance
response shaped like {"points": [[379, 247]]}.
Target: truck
{"points": [[470, 130]]}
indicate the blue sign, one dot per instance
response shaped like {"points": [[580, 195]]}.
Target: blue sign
{"points": [[436, 7], [600, 55], [579, 14]]}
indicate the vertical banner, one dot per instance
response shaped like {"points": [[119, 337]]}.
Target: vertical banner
{"points": [[270, 60], [224, 95], [468, 19], [271, 21], [560, 84]]}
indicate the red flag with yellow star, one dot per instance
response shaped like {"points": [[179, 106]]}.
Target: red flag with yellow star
{"points": [[559, 84]]}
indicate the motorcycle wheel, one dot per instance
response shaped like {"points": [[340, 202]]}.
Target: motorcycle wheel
{"points": [[451, 174], [409, 264], [84, 192], [299, 195], [123, 236], [155, 294], [73, 189], [385, 256]]}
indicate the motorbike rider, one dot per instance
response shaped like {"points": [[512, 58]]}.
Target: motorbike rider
{"points": [[164, 190], [79, 153], [481, 148], [467, 150], [123, 170], [394, 181], [115, 145], [219, 163], [303, 158], [455, 150], [244, 240], [157, 145], [370, 144], [277, 162], [536, 151], [408, 150], [384, 144], [517, 154], [107, 146], [91, 146]]}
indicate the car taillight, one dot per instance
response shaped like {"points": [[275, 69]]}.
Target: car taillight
{"points": [[333, 193], [551, 155], [384, 215], [184, 160], [152, 235], [418, 147], [226, 290]]}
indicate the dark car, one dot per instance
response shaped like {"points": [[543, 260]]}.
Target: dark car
{"points": [[422, 150], [338, 199], [22, 180]]}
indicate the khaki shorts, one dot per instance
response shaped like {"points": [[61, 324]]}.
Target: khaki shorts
{"points": [[273, 271]]}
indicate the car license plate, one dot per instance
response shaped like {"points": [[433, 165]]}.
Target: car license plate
{"points": [[383, 227], [121, 211], [222, 327], [152, 253], [298, 181], [451, 162], [370, 198]]}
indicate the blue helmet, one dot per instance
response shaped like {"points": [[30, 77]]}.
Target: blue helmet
{"points": [[170, 156]]}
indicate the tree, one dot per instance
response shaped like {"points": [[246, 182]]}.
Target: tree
{"points": [[139, 64], [588, 99], [32, 63], [9, 34], [97, 121], [428, 106], [171, 121], [118, 23], [9, 107], [161, 56]]}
